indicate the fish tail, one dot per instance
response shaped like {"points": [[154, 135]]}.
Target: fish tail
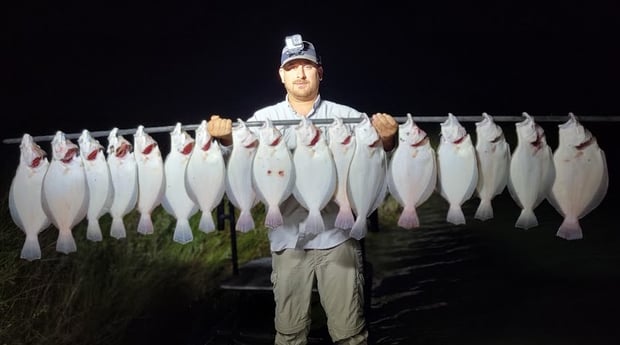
{"points": [[273, 219], [527, 219], [570, 229], [455, 215], [66, 242], [206, 224], [408, 218], [145, 225], [314, 223], [117, 230], [344, 219], [245, 222], [182, 232], [31, 249], [93, 231], [358, 231], [484, 210]]}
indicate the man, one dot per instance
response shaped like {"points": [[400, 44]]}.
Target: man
{"points": [[331, 257]]}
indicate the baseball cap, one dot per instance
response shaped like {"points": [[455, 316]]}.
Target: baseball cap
{"points": [[296, 48]]}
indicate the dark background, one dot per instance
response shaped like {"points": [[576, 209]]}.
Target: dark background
{"points": [[97, 65]]}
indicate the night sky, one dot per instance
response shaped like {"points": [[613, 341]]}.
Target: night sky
{"points": [[96, 66]]}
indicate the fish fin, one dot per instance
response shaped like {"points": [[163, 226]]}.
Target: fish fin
{"points": [[273, 219], [31, 249], [145, 225], [527, 219], [66, 242], [245, 222], [455, 215], [93, 231], [484, 210], [314, 223], [358, 231], [409, 218], [182, 232], [117, 230], [206, 224], [344, 219], [570, 229]]}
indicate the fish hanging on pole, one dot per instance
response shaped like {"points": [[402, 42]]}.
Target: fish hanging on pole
{"points": [[25, 195], [124, 173], [412, 172], [457, 168], [581, 177], [493, 153], [205, 176], [176, 200], [151, 178], [65, 192], [531, 171], [99, 179]]}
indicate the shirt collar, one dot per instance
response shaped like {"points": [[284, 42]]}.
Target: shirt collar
{"points": [[315, 105]]}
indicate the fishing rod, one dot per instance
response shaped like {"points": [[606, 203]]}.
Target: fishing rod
{"points": [[399, 119]]}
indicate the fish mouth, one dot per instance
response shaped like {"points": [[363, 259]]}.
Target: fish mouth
{"points": [[459, 140], [206, 146], [148, 149], [92, 155], [346, 140], [254, 143], [122, 150], [187, 149], [420, 142], [276, 141], [314, 140], [585, 144], [35, 162], [69, 155], [375, 143]]}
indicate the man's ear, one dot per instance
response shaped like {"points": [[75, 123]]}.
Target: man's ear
{"points": [[320, 73], [281, 73]]}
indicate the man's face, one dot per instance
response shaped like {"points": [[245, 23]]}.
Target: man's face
{"points": [[301, 78]]}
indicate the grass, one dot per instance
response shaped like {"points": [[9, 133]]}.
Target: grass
{"points": [[95, 295]]}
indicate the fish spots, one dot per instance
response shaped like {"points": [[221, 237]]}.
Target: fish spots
{"points": [[280, 173]]}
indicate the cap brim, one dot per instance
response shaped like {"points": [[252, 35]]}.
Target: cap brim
{"points": [[299, 57]]}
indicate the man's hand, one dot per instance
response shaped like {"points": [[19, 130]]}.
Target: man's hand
{"points": [[387, 127], [221, 129]]}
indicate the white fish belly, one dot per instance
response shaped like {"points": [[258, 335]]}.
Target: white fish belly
{"points": [[65, 195], [366, 179], [151, 184], [273, 174], [315, 174], [25, 201], [124, 175], [176, 200], [412, 175], [205, 176], [457, 172], [494, 165], [529, 177], [101, 191], [580, 181], [239, 188]]}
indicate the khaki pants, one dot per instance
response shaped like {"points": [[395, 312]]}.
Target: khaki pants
{"points": [[340, 282]]}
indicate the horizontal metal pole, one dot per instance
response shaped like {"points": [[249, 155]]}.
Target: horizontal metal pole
{"points": [[399, 119]]}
